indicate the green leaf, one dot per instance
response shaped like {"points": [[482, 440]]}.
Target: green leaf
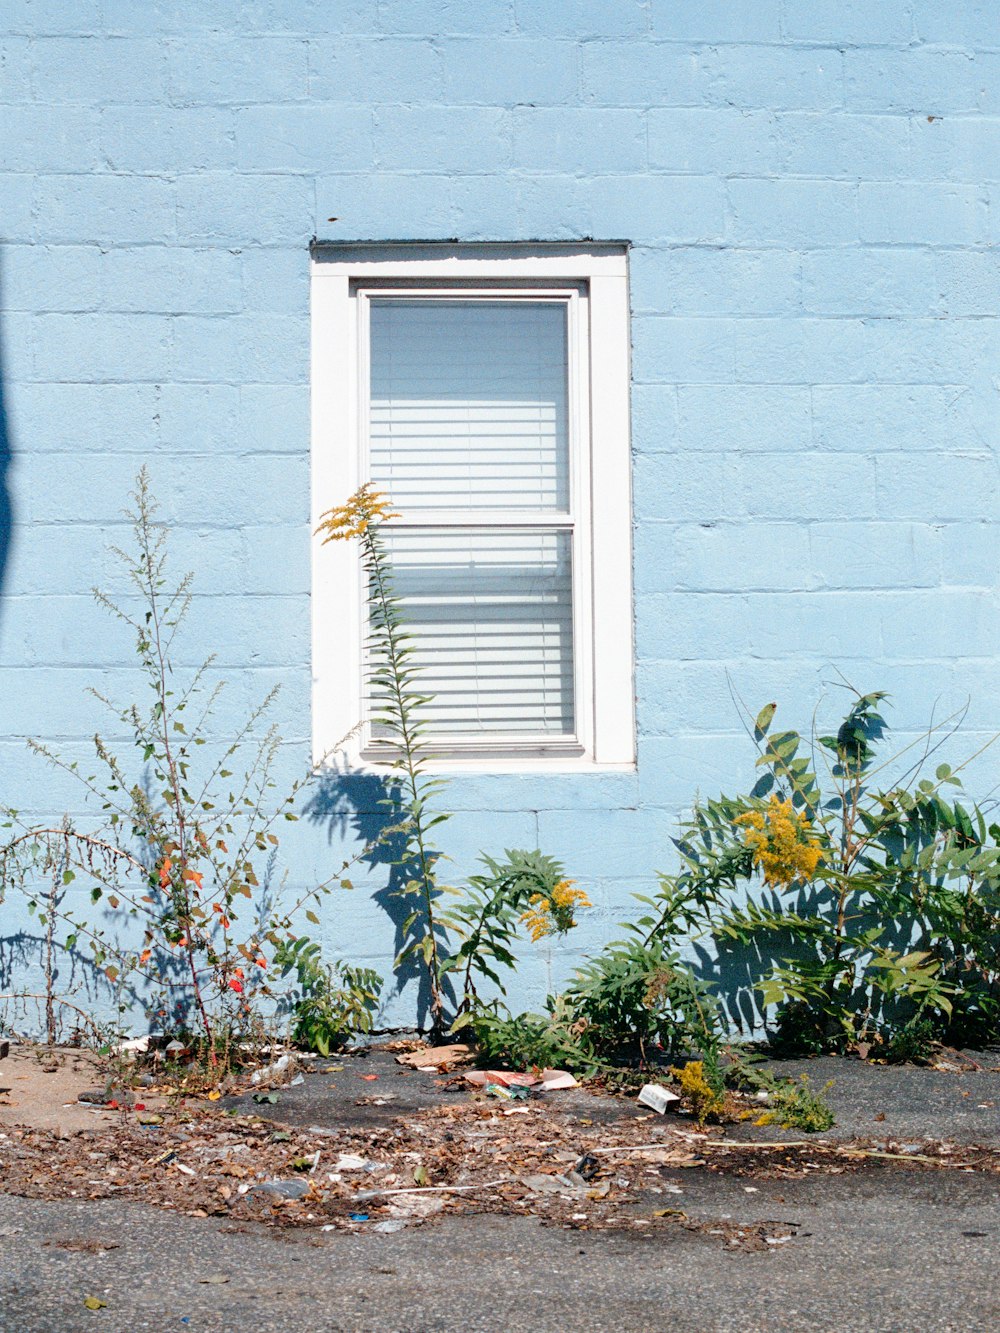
{"points": [[764, 719]]}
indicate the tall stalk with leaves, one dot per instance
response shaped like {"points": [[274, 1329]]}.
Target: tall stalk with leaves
{"points": [[460, 938], [392, 681]]}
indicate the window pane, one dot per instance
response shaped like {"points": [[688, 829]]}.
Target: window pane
{"points": [[469, 404], [491, 616]]}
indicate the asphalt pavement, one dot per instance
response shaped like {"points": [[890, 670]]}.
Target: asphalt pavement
{"points": [[901, 1250], [884, 1245]]}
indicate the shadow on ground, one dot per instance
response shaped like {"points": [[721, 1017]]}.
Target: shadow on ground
{"points": [[370, 1088], [901, 1102]]}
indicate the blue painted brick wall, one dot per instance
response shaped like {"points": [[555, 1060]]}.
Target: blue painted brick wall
{"points": [[812, 191]]}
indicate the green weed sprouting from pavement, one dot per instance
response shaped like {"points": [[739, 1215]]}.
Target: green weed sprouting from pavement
{"points": [[876, 909], [333, 1001], [392, 678], [796, 1104]]}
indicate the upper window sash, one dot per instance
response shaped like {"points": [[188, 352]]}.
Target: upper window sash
{"points": [[574, 300]]}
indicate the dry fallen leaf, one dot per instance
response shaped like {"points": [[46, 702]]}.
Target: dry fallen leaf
{"points": [[94, 1303]]}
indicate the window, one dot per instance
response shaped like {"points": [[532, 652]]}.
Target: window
{"points": [[484, 389]]}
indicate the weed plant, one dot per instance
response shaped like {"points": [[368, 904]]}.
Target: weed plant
{"points": [[459, 938], [185, 850]]}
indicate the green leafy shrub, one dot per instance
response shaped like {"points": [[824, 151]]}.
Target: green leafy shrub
{"points": [[526, 889], [552, 1040], [879, 906], [636, 1004], [334, 1001], [913, 1043], [871, 909], [795, 1104]]}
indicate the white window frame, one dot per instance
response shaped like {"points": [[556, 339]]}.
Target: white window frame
{"points": [[593, 281]]}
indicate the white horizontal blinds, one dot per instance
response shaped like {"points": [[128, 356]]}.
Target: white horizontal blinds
{"points": [[469, 403], [491, 618]]}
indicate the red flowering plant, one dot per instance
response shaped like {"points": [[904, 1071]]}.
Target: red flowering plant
{"points": [[186, 844]]}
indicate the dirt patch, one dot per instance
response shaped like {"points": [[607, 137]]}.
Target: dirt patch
{"points": [[40, 1087], [82, 1244]]}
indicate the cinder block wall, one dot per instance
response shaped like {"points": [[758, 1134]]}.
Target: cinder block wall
{"points": [[812, 190]]}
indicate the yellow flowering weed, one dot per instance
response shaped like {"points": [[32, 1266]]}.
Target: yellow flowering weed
{"points": [[780, 838], [352, 518], [554, 913]]}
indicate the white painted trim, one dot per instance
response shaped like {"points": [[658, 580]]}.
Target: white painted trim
{"points": [[611, 469], [481, 262], [336, 624], [600, 483]]}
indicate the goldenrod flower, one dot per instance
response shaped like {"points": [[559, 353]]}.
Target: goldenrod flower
{"points": [[779, 837], [554, 913], [695, 1087], [365, 506], [537, 918]]}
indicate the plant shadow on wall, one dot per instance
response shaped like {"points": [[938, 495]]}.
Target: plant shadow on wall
{"points": [[48, 957], [367, 809], [59, 973]]}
